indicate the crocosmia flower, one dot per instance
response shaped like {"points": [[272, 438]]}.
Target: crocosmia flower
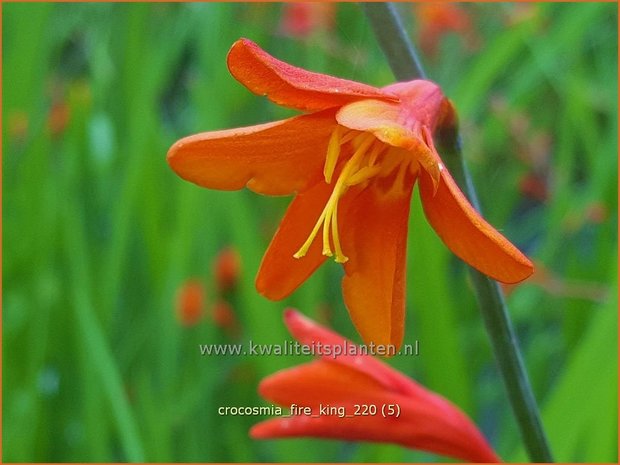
{"points": [[358, 398], [351, 162]]}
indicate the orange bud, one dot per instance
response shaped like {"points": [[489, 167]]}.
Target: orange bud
{"points": [[331, 389], [190, 302], [436, 19], [58, 118], [224, 317], [534, 187], [227, 269]]}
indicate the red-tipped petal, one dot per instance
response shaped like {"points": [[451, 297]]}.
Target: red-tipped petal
{"points": [[280, 273], [291, 86], [428, 423], [274, 158], [374, 237], [468, 235], [308, 332]]}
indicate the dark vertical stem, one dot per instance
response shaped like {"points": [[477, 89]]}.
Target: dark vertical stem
{"points": [[392, 38], [497, 321], [405, 64]]}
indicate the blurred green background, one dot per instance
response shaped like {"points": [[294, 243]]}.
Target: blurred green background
{"points": [[100, 235]]}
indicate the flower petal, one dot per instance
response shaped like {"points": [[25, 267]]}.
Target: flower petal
{"points": [[274, 158], [291, 86], [310, 333], [425, 102], [374, 232], [316, 382], [468, 235], [469, 448], [390, 124], [428, 423], [280, 273]]}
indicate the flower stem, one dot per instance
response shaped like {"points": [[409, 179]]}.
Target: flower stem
{"points": [[405, 64], [393, 40], [497, 321]]}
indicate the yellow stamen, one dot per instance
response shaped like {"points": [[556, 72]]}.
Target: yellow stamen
{"points": [[340, 257], [303, 250], [363, 175], [349, 136], [374, 154], [333, 152], [399, 182], [351, 174], [327, 251]]}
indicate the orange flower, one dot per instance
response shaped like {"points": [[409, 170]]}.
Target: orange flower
{"points": [[58, 118], [351, 162], [323, 396], [190, 302], [227, 268], [438, 18]]}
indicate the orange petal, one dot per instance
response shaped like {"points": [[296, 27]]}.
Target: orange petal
{"points": [[308, 332], [280, 273], [428, 423], [374, 232], [468, 235], [417, 434], [274, 158], [314, 383], [389, 123], [291, 86]]}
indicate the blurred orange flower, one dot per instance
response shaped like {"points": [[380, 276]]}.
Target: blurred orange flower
{"points": [[301, 19], [328, 390], [58, 118], [227, 268], [436, 19], [351, 162], [534, 187], [190, 302], [224, 316]]}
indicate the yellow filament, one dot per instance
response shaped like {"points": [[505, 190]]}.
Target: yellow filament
{"points": [[374, 154], [333, 152], [399, 182], [327, 251], [363, 175], [349, 136], [303, 250], [329, 216], [340, 257]]}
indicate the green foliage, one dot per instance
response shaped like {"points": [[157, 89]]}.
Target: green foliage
{"points": [[99, 234]]}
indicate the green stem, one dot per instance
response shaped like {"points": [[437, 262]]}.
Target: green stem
{"points": [[393, 40], [404, 62]]}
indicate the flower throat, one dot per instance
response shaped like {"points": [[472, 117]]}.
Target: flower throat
{"points": [[368, 160]]}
